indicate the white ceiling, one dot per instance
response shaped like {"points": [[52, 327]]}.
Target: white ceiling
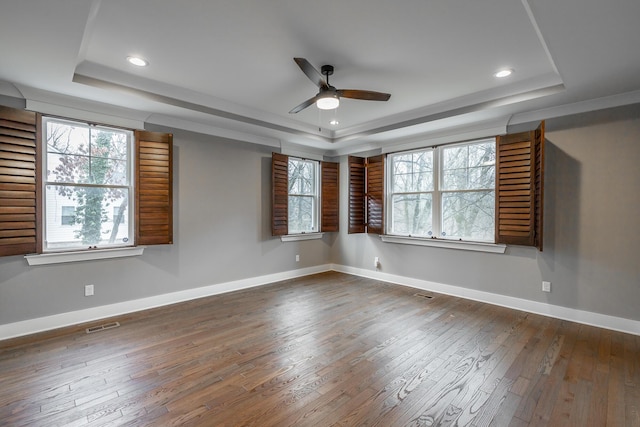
{"points": [[226, 67]]}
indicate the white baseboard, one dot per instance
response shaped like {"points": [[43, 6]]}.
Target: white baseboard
{"points": [[41, 324], [579, 316]]}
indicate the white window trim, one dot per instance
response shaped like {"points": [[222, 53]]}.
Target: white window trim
{"points": [[301, 236], [86, 255], [443, 243], [316, 204], [111, 250]]}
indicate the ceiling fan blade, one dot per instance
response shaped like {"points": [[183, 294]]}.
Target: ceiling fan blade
{"points": [[304, 105], [313, 74], [367, 95]]}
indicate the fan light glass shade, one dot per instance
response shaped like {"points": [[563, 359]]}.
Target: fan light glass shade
{"points": [[328, 103]]}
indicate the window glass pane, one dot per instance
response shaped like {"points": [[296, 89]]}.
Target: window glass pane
{"points": [[412, 172], [82, 216], [107, 143], [468, 215], [67, 138], [301, 214], [411, 214], [72, 159], [469, 167], [67, 168], [301, 177]]}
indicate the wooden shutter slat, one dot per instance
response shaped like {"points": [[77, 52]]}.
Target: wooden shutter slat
{"points": [[154, 192], [279, 194], [375, 194], [23, 142], [14, 148], [30, 128], [19, 189], [519, 164], [17, 232], [17, 225], [6, 218], [16, 133], [356, 195], [330, 183]]}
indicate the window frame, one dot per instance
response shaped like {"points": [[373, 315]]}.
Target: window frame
{"points": [[437, 192], [130, 187], [315, 196]]}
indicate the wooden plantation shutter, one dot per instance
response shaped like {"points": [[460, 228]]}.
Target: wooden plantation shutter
{"points": [[279, 194], [357, 199], [19, 182], [539, 186], [519, 190], [329, 200], [154, 182], [375, 194], [366, 194]]}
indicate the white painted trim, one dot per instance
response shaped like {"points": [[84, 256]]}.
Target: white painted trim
{"points": [[60, 257], [449, 244], [85, 115], [41, 324], [565, 313], [612, 101], [304, 152], [455, 132], [303, 236]]}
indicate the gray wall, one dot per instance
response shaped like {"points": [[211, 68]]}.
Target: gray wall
{"points": [[222, 199], [591, 230], [222, 232]]}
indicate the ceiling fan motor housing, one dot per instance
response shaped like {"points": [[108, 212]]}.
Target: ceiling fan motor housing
{"points": [[327, 70]]}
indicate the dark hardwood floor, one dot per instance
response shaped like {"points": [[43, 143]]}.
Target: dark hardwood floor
{"points": [[323, 350]]}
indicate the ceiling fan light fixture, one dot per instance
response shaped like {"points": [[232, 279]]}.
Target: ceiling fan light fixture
{"points": [[328, 102]]}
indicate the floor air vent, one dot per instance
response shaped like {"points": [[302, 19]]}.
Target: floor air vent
{"points": [[421, 295], [104, 327]]}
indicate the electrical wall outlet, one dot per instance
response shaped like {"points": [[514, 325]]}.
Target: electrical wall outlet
{"points": [[546, 286], [376, 262], [297, 258], [88, 290]]}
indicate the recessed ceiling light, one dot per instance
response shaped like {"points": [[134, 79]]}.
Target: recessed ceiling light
{"points": [[504, 73], [137, 61]]}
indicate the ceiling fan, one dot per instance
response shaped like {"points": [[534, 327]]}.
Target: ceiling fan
{"points": [[328, 97]]}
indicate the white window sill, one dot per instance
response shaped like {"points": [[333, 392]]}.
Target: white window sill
{"points": [[449, 244], [60, 257], [303, 236]]}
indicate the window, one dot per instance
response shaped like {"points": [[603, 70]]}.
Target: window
{"points": [[446, 192], [53, 183], [467, 191], [487, 191], [88, 168], [303, 196]]}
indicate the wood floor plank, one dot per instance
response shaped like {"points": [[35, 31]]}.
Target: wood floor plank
{"points": [[322, 350]]}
